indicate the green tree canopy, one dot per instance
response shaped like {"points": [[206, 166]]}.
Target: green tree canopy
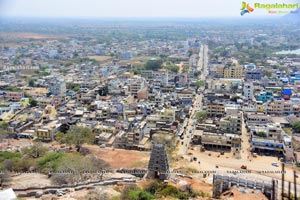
{"points": [[77, 136], [267, 73], [201, 116], [32, 102], [75, 164], [172, 68], [35, 151], [296, 127], [153, 64], [200, 83], [31, 83]]}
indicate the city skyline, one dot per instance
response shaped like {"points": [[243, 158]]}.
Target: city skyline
{"points": [[129, 8]]}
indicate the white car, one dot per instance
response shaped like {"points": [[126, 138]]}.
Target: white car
{"points": [[275, 164]]}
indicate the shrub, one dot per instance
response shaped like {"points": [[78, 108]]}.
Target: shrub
{"points": [[35, 151], [9, 155], [49, 161]]}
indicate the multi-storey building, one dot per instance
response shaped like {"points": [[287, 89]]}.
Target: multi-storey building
{"points": [[233, 72], [215, 108], [14, 96], [248, 90], [217, 141], [265, 96], [232, 124], [137, 85], [280, 107], [220, 71], [253, 75], [58, 87]]}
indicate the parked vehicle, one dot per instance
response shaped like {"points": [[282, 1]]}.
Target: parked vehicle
{"points": [[243, 167]]}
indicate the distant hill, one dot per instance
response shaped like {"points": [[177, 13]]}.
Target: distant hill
{"points": [[295, 17]]}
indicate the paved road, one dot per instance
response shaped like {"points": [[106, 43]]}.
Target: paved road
{"points": [[188, 133], [245, 146]]}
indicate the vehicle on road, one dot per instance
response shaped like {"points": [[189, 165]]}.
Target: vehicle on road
{"points": [[275, 164], [243, 167]]}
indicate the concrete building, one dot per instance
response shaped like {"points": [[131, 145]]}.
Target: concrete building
{"points": [[265, 96], [233, 72], [215, 108], [126, 55], [136, 85], [267, 139], [217, 141], [232, 124], [142, 93], [220, 71], [58, 87], [14, 96], [256, 119], [47, 132], [248, 90], [279, 107], [148, 74], [253, 75]]}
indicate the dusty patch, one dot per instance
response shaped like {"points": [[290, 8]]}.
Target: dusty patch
{"points": [[120, 158], [30, 180]]}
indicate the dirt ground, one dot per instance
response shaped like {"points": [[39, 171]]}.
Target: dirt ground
{"points": [[244, 194], [30, 180], [119, 158], [101, 58], [12, 144], [260, 167]]}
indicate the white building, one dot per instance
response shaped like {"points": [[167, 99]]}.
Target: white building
{"points": [[248, 90]]}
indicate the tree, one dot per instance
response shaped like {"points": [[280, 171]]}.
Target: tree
{"points": [[78, 135], [296, 127], [267, 73], [31, 83], [75, 54], [262, 134], [200, 83], [153, 64], [35, 151], [32, 102], [60, 137], [75, 165], [201, 116], [172, 68], [197, 73], [76, 88]]}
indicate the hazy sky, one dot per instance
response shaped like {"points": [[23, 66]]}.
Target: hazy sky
{"points": [[129, 8]]}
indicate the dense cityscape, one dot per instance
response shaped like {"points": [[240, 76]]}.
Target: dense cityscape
{"points": [[149, 109]]}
